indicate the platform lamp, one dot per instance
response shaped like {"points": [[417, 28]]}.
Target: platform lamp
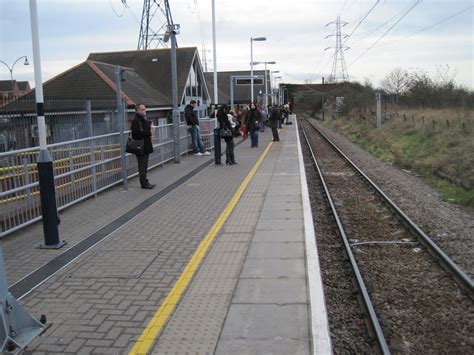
{"points": [[272, 72], [277, 78], [13, 66], [251, 62]]}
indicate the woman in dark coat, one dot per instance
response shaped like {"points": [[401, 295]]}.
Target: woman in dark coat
{"points": [[252, 121], [141, 129], [224, 122]]}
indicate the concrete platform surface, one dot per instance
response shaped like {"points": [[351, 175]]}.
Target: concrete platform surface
{"points": [[213, 260]]}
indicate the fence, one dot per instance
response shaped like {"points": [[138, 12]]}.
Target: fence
{"points": [[82, 168], [66, 120]]}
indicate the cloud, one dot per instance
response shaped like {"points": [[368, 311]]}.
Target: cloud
{"points": [[296, 34]]}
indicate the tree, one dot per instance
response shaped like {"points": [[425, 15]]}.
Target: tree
{"points": [[396, 83]]}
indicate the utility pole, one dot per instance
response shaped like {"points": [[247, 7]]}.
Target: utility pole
{"points": [[119, 77], [339, 60], [322, 101], [378, 99]]}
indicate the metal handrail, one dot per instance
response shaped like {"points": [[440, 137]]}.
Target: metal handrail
{"points": [[26, 205]]}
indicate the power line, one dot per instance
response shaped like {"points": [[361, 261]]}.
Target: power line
{"points": [[113, 9], [343, 6], [366, 34], [389, 29], [362, 20], [430, 26]]}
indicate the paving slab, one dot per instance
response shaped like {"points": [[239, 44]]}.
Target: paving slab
{"points": [[248, 296]]}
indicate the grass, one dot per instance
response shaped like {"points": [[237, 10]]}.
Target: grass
{"points": [[453, 193], [430, 143]]}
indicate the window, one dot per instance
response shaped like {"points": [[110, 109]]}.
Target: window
{"points": [[256, 81]]}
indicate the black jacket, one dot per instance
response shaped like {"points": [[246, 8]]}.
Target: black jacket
{"points": [[190, 115], [274, 117], [141, 129], [252, 119]]}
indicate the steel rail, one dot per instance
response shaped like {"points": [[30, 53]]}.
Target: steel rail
{"points": [[367, 302], [461, 277]]}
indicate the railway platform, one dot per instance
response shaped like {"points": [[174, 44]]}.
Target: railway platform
{"points": [[215, 259]]}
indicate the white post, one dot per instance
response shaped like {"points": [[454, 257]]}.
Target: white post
{"points": [[378, 98], [251, 69], [214, 55], [45, 164], [266, 90]]}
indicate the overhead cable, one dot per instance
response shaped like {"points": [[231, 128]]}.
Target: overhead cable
{"points": [[386, 32], [362, 20], [430, 26]]}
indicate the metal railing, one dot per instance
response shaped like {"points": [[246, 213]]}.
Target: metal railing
{"points": [[82, 169]]}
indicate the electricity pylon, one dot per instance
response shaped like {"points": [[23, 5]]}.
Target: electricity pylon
{"points": [[156, 24], [339, 68]]}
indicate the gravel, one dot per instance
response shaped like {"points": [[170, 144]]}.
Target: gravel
{"points": [[450, 226], [418, 304]]}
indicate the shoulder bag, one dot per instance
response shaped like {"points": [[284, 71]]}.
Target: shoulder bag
{"points": [[225, 133], [135, 146]]}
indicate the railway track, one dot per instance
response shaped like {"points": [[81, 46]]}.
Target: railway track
{"points": [[411, 303]]}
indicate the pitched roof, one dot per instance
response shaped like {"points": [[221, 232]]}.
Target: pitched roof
{"points": [[242, 93], [23, 85], [96, 81], [6, 85], [134, 89], [154, 66]]}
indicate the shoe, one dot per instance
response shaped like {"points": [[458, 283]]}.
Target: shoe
{"points": [[206, 153], [233, 162], [227, 162], [198, 154], [148, 187]]}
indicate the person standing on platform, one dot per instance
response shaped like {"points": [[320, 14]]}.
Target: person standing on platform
{"points": [[286, 113], [224, 122], [142, 129], [252, 121], [192, 122], [274, 121], [263, 118]]}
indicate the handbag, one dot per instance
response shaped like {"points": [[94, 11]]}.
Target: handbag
{"points": [[135, 146], [225, 133]]}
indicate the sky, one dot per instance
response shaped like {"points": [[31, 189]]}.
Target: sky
{"points": [[434, 37]]}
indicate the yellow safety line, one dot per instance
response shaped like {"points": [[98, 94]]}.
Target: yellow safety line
{"points": [[153, 328]]}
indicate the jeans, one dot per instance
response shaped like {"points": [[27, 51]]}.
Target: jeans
{"points": [[196, 140], [229, 150], [254, 137]]}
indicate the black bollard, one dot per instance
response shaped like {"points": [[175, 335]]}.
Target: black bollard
{"points": [[48, 206], [217, 147]]}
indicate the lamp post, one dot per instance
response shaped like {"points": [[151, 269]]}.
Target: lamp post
{"points": [[275, 78], [272, 85], [265, 78], [214, 53], [44, 162], [277, 88], [13, 66], [251, 63]]}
